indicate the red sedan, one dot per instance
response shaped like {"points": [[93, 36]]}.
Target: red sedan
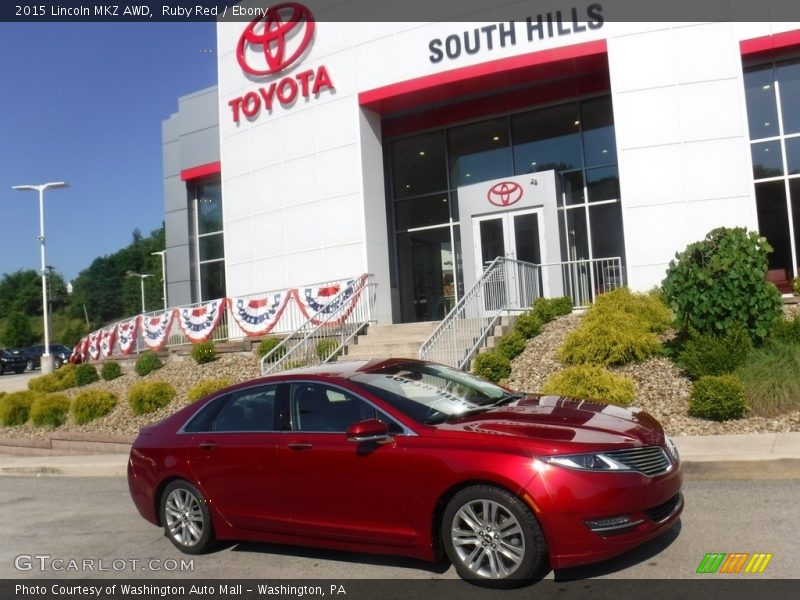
{"points": [[410, 458]]}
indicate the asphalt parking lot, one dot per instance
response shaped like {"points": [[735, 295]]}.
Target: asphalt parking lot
{"points": [[11, 382]]}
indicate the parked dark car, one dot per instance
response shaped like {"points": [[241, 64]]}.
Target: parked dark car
{"points": [[412, 458], [11, 362], [33, 355]]}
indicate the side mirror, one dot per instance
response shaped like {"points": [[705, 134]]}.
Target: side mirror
{"points": [[371, 430]]}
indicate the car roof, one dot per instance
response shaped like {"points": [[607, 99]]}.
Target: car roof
{"points": [[338, 369]]}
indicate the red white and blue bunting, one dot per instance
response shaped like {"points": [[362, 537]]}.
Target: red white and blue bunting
{"points": [[155, 329], [94, 345], [199, 323], [328, 298], [258, 316], [107, 338], [126, 335]]}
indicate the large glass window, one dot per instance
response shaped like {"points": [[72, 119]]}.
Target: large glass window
{"points": [[209, 241], [576, 139], [773, 113]]}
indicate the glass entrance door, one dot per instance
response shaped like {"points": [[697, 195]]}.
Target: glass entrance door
{"points": [[516, 235]]}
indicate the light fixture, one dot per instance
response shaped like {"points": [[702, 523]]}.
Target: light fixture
{"points": [[576, 123], [422, 152], [408, 186], [533, 164], [444, 199], [496, 138], [605, 151], [766, 86], [468, 174], [766, 123]]}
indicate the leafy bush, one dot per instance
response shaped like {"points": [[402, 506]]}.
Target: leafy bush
{"points": [[718, 398], [267, 345], [492, 366], [648, 308], [325, 348], [205, 387], [148, 396], [147, 363], [796, 286], [92, 404], [615, 340], [706, 354], [719, 282], [49, 411], [511, 345], [528, 324], [561, 306], [57, 381], [85, 374], [592, 383], [771, 381], [16, 407], [786, 331], [111, 370], [204, 352]]}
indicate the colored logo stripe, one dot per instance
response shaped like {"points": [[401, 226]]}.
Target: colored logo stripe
{"points": [[758, 563], [711, 562], [734, 562]]}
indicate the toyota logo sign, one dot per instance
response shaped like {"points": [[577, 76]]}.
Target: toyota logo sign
{"points": [[282, 41], [504, 193]]}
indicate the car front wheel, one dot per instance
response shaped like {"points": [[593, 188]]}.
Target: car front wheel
{"points": [[30, 366], [186, 519], [492, 538]]}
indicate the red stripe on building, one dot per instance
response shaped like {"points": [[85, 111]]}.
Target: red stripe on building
{"points": [[770, 44], [200, 171]]}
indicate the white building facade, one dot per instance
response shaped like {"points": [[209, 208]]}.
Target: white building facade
{"points": [[345, 148]]}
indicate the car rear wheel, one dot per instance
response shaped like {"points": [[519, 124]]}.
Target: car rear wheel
{"points": [[186, 519], [30, 366], [492, 538]]}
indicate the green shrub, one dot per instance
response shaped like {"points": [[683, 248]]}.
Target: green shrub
{"points": [[543, 309], [111, 370], [148, 396], [771, 381], [296, 363], [147, 363], [92, 404], [267, 345], [786, 331], [561, 306], [205, 387], [718, 398], [50, 411], [592, 383], [719, 282], [528, 324], [325, 348], [796, 286], [57, 381], [616, 340], [648, 308], [204, 352], [16, 407], [706, 354], [511, 345], [492, 366], [85, 374]]}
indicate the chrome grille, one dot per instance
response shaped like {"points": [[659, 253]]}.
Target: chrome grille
{"points": [[650, 460]]}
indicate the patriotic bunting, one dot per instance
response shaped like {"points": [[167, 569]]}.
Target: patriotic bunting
{"points": [[155, 329], [126, 335], [326, 299], [94, 345], [198, 323], [107, 337], [257, 316]]}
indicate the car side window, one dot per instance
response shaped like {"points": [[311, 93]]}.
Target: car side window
{"points": [[316, 407], [248, 410]]}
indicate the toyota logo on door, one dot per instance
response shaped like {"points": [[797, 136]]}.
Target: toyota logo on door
{"points": [[504, 193], [280, 42], [275, 40]]}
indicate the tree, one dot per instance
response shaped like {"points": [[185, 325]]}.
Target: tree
{"points": [[21, 291], [18, 332]]}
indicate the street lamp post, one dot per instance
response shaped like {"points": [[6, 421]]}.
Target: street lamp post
{"points": [[162, 254], [141, 277], [47, 359]]}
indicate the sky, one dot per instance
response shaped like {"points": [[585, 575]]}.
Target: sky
{"points": [[83, 103]]}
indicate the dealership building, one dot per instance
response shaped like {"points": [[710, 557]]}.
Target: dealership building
{"points": [[418, 152]]}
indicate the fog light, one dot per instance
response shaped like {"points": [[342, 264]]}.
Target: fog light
{"points": [[611, 524]]}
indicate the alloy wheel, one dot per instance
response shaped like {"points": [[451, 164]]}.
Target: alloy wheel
{"points": [[184, 517]]}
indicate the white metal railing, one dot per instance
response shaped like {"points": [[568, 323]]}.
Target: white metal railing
{"points": [[325, 335], [505, 285], [512, 286]]}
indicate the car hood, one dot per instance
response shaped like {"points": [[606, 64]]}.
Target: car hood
{"points": [[554, 419]]}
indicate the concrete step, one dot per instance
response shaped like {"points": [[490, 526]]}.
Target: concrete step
{"points": [[383, 349], [400, 332]]}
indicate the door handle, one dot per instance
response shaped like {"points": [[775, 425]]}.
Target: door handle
{"points": [[207, 445], [300, 446]]}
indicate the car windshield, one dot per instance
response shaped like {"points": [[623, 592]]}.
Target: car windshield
{"points": [[431, 393], [5, 354]]}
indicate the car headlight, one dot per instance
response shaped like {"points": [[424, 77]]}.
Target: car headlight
{"points": [[672, 449], [590, 461]]}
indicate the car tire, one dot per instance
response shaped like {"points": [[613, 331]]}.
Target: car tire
{"points": [[492, 538], [57, 363], [30, 366], [186, 518], [19, 371]]}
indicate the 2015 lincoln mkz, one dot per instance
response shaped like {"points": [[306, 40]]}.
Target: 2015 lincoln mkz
{"points": [[409, 458]]}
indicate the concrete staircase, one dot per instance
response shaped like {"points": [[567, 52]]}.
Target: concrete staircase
{"points": [[391, 341]]}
